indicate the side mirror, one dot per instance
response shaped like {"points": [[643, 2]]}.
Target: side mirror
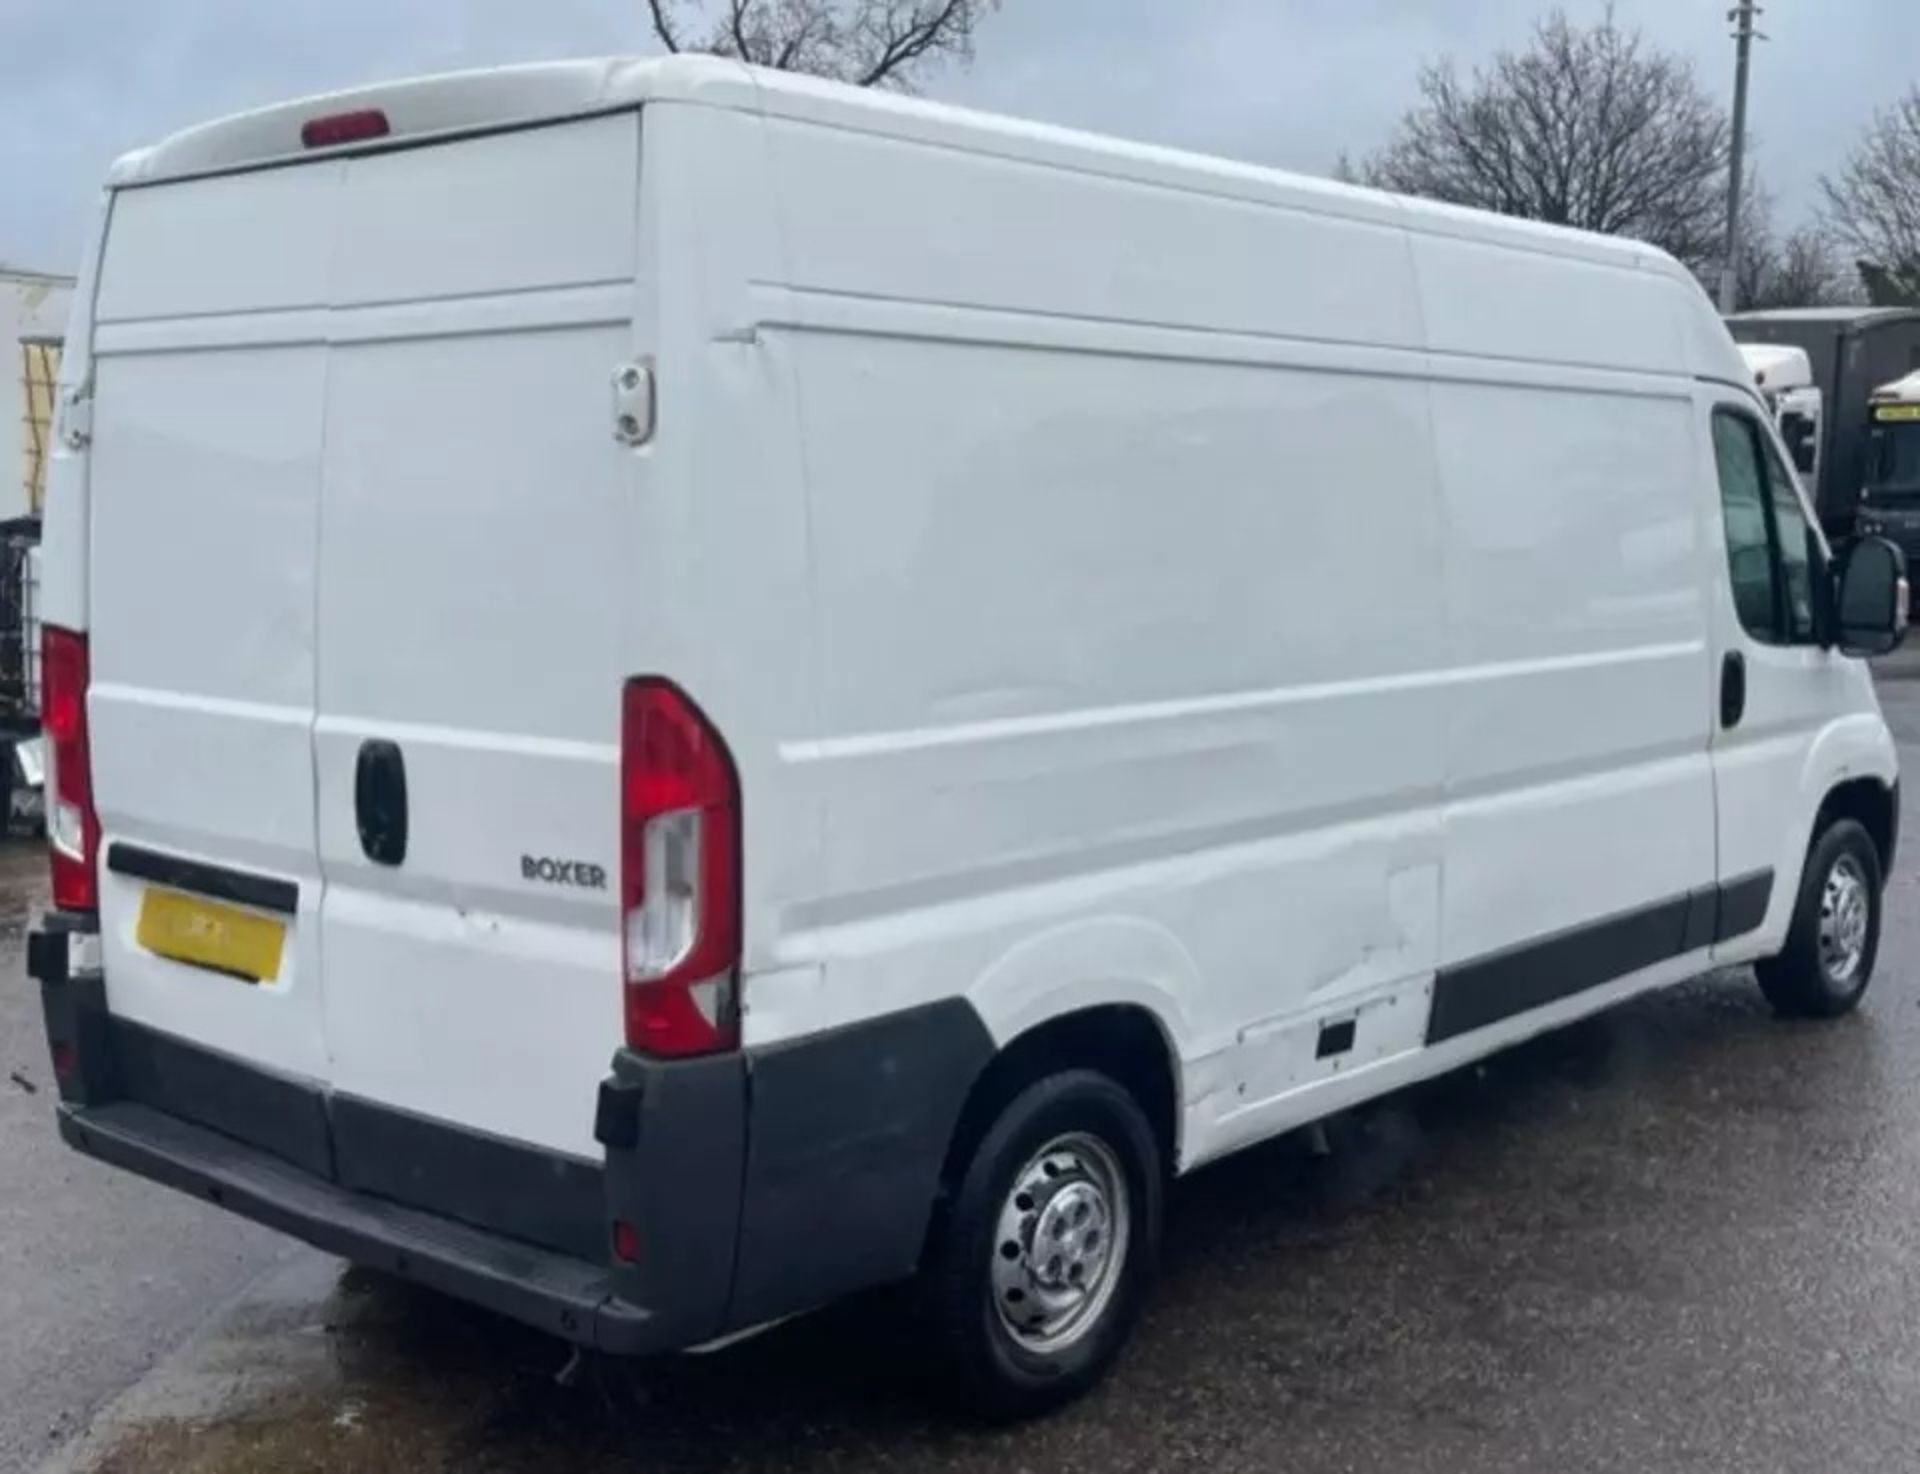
{"points": [[1870, 597]]}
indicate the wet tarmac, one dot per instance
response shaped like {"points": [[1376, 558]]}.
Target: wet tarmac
{"points": [[98, 1273], [1683, 1236]]}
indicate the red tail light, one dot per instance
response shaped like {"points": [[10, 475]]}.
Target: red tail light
{"points": [[338, 128], [679, 875], [73, 829]]}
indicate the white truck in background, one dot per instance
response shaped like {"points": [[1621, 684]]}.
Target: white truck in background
{"points": [[1784, 376]]}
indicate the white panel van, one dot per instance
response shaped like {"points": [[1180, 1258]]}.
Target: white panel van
{"points": [[676, 691]]}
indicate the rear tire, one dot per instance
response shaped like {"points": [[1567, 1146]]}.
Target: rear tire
{"points": [[1038, 1271], [1824, 969]]}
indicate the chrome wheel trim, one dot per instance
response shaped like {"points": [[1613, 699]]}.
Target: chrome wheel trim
{"points": [[1846, 912], [1060, 1243]]}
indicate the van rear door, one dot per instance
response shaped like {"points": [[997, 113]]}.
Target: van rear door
{"points": [[209, 376], [474, 508], [358, 517]]}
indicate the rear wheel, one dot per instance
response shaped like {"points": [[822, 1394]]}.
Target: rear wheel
{"points": [[1039, 1269], [1825, 967]]}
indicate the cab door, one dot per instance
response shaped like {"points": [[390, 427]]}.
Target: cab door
{"points": [[1778, 687]]}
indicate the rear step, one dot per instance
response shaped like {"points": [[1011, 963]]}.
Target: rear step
{"points": [[554, 1292]]}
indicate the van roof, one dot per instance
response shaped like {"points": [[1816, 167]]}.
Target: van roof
{"points": [[450, 104]]}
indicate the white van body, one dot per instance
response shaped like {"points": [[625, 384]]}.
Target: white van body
{"points": [[1128, 585]]}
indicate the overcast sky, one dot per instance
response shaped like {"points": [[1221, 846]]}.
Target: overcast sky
{"points": [[1285, 82]]}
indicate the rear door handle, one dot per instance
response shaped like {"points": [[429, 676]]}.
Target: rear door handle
{"points": [[1733, 688], [380, 801]]}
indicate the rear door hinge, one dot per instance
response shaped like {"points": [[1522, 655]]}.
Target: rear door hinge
{"points": [[76, 417], [633, 403]]}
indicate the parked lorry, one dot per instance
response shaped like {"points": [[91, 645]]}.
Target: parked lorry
{"points": [[1890, 498], [1852, 351]]}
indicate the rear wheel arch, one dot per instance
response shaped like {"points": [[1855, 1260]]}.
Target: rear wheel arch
{"points": [[1124, 1041]]}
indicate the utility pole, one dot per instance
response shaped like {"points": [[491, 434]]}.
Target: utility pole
{"points": [[1743, 15]]}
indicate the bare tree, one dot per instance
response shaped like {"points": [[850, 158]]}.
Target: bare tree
{"points": [[1803, 268], [872, 43], [1873, 203], [1588, 127], [1809, 273]]}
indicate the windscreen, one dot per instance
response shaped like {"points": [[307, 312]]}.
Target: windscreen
{"points": [[1893, 462]]}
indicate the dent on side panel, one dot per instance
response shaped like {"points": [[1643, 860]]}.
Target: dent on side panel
{"points": [[1362, 927]]}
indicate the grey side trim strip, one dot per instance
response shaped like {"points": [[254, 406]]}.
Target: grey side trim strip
{"points": [[1515, 980], [1743, 905]]}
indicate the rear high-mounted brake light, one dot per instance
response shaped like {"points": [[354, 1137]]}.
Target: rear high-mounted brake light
{"points": [[73, 829], [338, 128], [679, 875]]}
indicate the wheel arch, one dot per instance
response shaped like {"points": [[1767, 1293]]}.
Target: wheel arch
{"points": [[1851, 770], [1108, 993], [1874, 805], [1122, 1040]]}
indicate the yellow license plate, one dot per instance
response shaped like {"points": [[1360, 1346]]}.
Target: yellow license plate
{"points": [[208, 934], [1896, 413]]}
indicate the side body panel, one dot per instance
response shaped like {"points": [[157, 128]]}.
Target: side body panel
{"points": [[1114, 567], [1180, 625], [1580, 795]]}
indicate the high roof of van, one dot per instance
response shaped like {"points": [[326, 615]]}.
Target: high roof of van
{"points": [[450, 104]]}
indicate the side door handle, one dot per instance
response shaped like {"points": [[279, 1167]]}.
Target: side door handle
{"points": [[1733, 688], [380, 801]]}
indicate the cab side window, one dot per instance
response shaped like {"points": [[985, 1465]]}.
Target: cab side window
{"points": [[1743, 508], [1799, 550], [1772, 553]]}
